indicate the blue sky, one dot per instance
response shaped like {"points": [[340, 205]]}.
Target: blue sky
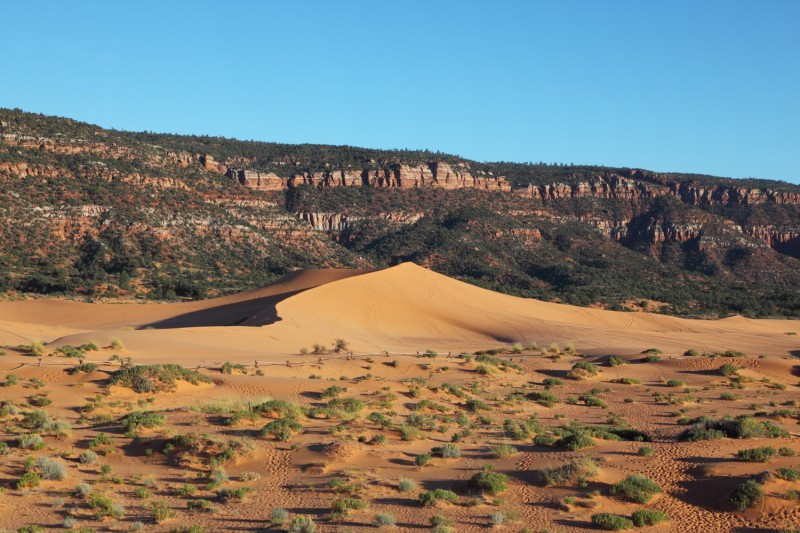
{"points": [[708, 87]]}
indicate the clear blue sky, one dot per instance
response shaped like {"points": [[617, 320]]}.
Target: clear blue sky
{"points": [[690, 86]]}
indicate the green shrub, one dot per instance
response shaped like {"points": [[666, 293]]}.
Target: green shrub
{"points": [[281, 429], [430, 497], [637, 488], [612, 522], [728, 370], [237, 494], [646, 451], [675, 383], [489, 482], [406, 485], [759, 455], [578, 470], [160, 511], [703, 428], [302, 524], [331, 392], [142, 419], [549, 383], [501, 451], [545, 398], [789, 474], [647, 517], [104, 506], [142, 493], [279, 517], [342, 506], [615, 360], [448, 451], [582, 370], [156, 378], [422, 459], [384, 519], [748, 494], [29, 480]]}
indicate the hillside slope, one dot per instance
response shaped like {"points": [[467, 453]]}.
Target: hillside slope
{"points": [[107, 214]]}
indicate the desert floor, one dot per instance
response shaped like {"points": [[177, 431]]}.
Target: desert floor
{"points": [[347, 425]]}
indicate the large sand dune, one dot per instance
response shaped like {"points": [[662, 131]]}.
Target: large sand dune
{"points": [[403, 308]]}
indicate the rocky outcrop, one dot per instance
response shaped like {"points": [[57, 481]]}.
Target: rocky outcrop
{"points": [[435, 174], [613, 186], [337, 223], [723, 194]]}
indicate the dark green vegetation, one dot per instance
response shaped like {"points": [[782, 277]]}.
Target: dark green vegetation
{"points": [[96, 212]]}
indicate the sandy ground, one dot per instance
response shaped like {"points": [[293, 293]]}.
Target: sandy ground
{"points": [[387, 318]]}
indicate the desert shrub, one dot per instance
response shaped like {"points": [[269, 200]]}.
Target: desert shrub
{"points": [[36, 348], [36, 419], [83, 489], [582, 370], [626, 381], [101, 439], [574, 438], [675, 383], [741, 427], [422, 459], [748, 494], [646, 451], [691, 353], [4, 448], [279, 517], [281, 429], [615, 360], [501, 451], [342, 506], [156, 378], [728, 370], [612, 522], [785, 451], [51, 468], [549, 383], [29, 480], [406, 485], [447, 451], [116, 344], [651, 359], [430, 497], [474, 405], [486, 369], [142, 419], [279, 408], [142, 493], [237, 493], [86, 368], [331, 392], [578, 470], [758, 455], [302, 524], [384, 519], [160, 511], [728, 396], [104, 506], [489, 482], [545, 398], [637, 488], [647, 517], [789, 474], [39, 400], [200, 505], [31, 441], [231, 368]]}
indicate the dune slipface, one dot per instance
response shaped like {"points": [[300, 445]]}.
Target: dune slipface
{"points": [[357, 398]]}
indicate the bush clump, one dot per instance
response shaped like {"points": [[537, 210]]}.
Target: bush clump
{"points": [[637, 488], [582, 370], [51, 468], [703, 428], [647, 517], [612, 522], [578, 470], [156, 378], [489, 482], [748, 494], [758, 455], [429, 498]]}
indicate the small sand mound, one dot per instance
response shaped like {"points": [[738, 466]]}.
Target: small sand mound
{"points": [[341, 450]]}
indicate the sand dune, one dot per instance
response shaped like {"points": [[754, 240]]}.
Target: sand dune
{"points": [[403, 308]]}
